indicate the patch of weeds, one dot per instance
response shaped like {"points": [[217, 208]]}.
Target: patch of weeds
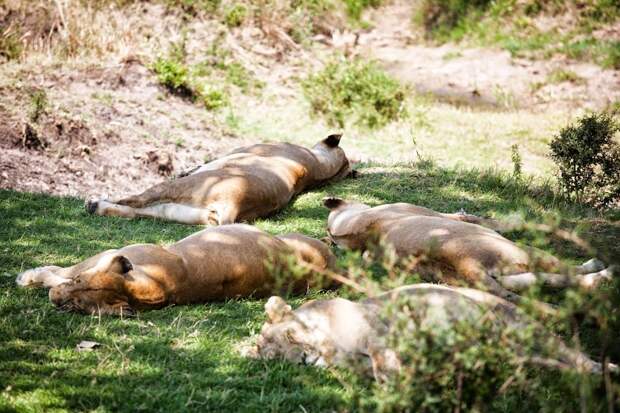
{"points": [[605, 53], [221, 64], [504, 98], [194, 7], [236, 15], [563, 75], [173, 75], [179, 142], [440, 17], [611, 55], [517, 161], [451, 56], [105, 98], [536, 86], [421, 120], [358, 90], [356, 7], [178, 49], [522, 45], [38, 105], [213, 98], [613, 108], [10, 46], [232, 121], [240, 77]]}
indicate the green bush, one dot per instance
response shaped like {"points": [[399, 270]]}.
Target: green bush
{"points": [[213, 98], [356, 7], [38, 105], [173, 76], [236, 15], [588, 160], [480, 363], [355, 89], [611, 55], [457, 367], [441, 16], [10, 46]]}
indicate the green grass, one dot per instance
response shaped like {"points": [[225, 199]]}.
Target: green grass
{"points": [[450, 135], [512, 26], [183, 358]]}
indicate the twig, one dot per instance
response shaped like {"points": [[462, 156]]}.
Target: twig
{"points": [[62, 17], [337, 277]]}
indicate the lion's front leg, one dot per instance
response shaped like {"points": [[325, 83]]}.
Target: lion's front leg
{"points": [[49, 276]]}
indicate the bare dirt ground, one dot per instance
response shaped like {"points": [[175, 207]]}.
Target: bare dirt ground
{"points": [[111, 129], [475, 76]]}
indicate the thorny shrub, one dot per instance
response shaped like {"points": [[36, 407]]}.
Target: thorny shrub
{"points": [[588, 159]]}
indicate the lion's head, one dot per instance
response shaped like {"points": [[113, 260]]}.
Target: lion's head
{"points": [[99, 290], [285, 336]]}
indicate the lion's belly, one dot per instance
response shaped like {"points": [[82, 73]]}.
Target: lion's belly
{"points": [[454, 241], [226, 262], [254, 190]]}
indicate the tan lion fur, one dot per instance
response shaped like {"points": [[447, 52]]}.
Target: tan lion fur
{"points": [[214, 264], [340, 332], [248, 183], [455, 248]]}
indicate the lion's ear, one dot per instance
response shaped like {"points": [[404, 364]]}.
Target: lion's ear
{"points": [[333, 140], [277, 310], [120, 265], [112, 263], [332, 202]]}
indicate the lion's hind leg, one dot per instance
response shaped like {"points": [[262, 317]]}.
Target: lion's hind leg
{"points": [[157, 194], [184, 214], [522, 281]]}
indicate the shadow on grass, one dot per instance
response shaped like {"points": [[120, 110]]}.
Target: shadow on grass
{"points": [[175, 359], [184, 358]]}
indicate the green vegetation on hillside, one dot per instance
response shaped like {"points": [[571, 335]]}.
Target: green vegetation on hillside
{"points": [[76, 29], [211, 81], [531, 28], [358, 90]]}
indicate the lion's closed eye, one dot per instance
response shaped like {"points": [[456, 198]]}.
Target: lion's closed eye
{"points": [[290, 336]]}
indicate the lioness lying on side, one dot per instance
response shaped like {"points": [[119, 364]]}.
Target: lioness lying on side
{"points": [[340, 332], [456, 249], [248, 183], [214, 264]]}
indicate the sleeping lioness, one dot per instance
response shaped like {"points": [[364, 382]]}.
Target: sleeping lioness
{"points": [[214, 264], [457, 249], [248, 183], [340, 332]]}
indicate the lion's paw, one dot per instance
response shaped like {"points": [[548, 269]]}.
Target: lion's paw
{"points": [[34, 277]]}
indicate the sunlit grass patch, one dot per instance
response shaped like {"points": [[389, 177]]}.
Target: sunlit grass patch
{"points": [[185, 358]]}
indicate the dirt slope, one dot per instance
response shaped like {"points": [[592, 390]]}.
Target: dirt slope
{"points": [[110, 128], [481, 76]]}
